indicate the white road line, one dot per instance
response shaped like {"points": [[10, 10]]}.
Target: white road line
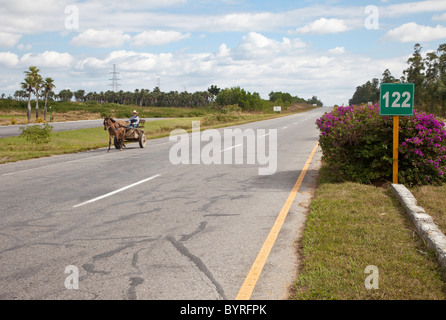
{"points": [[51, 165], [230, 148], [264, 135], [116, 191]]}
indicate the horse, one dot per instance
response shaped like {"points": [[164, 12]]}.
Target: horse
{"points": [[117, 129]]}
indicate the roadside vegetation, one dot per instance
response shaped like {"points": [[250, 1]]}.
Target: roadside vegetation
{"points": [[356, 223], [426, 70], [352, 226], [357, 142]]}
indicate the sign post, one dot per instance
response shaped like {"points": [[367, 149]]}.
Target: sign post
{"points": [[277, 109], [396, 99], [396, 131]]}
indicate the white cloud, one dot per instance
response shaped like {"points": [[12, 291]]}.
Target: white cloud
{"points": [[8, 40], [412, 32], [120, 5], [323, 26], [22, 46], [117, 38], [23, 16], [441, 17], [100, 38], [416, 7], [256, 46], [8, 59], [243, 21], [18, 17], [48, 59], [157, 37], [128, 61], [337, 50]]}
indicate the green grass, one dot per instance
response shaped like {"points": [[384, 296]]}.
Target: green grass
{"points": [[351, 226], [432, 199], [62, 142], [17, 148]]}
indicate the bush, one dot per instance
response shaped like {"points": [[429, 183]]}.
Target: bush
{"points": [[247, 101], [217, 118], [231, 109], [37, 134], [357, 142]]}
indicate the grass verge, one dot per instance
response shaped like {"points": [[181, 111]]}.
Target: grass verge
{"points": [[432, 199], [62, 142], [351, 226], [17, 148]]}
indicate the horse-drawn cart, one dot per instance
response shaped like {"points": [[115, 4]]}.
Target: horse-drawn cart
{"points": [[133, 135]]}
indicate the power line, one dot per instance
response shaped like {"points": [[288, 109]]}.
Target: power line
{"points": [[114, 79]]}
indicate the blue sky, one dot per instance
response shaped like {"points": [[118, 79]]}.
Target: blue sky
{"points": [[306, 48]]}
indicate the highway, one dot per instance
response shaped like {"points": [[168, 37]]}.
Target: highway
{"points": [[140, 224]]}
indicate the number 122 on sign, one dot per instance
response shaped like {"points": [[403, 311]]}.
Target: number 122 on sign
{"points": [[397, 95], [396, 99]]}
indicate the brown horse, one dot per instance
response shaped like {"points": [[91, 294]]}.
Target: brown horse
{"points": [[117, 129]]}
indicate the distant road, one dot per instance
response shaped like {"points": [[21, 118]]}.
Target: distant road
{"points": [[13, 130]]}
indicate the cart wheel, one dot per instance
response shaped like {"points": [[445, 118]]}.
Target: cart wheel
{"points": [[142, 140]]}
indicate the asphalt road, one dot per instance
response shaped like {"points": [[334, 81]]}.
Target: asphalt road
{"points": [[13, 130], [132, 225]]}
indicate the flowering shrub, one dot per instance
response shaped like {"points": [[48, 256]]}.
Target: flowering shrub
{"points": [[357, 142]]}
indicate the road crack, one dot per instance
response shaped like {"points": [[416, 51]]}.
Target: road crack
{"points": [[198, 262], [200, 228], [134, 282]]}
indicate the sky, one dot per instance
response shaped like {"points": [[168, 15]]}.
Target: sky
{"points": [[322, 48]]}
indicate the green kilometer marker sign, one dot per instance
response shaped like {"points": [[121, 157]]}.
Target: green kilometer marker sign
{"points": [[396, 99]]}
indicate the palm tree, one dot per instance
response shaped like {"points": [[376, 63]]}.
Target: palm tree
{"points": [[28, 86], [144, 95], [37, 86], [48, 87], [33, 80]]}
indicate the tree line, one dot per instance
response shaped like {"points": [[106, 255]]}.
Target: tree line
{"points": [[427, 74], [140, 97], [35, 84], [286, 98]]}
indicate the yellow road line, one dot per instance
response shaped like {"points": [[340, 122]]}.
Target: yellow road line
{"points": [[254, 274]]}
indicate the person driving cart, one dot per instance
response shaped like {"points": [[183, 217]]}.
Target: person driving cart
{"points": [[134, 120]]}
